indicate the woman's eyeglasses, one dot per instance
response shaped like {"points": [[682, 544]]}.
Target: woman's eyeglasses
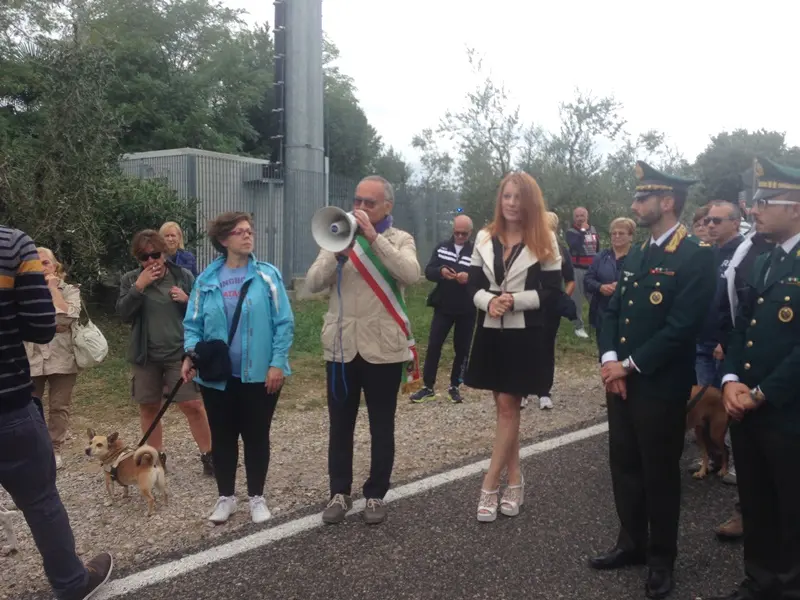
{"points": [[145, 256], [242, 232]]}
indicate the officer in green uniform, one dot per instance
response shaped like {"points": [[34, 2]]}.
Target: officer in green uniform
{"points": [[761, 393], [647, 343]]}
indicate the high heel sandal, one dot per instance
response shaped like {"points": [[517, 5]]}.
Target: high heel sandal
{"points": [[513, 498], [487, 505]]}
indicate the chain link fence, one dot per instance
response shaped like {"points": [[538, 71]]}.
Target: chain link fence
{"points": [[225, 182]]}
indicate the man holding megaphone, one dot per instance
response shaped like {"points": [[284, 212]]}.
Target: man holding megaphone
{"points": [[366, 264]]}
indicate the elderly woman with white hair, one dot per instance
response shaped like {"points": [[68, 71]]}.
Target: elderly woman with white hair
{"points": [[176, 252], [53, 364]]}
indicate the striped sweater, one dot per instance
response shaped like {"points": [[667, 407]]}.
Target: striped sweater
{"points": [[26, 314]]}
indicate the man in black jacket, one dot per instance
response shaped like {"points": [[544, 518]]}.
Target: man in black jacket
{"points": [[452, 305]]}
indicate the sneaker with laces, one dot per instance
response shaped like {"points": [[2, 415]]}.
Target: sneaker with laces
{"points": [[223, 509], [423, 395], [375, 511], [455, 394], [545, 403], [337, 509], [258, 509], [99, 570]]}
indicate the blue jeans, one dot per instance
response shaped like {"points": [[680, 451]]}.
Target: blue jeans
{"points": [[28, 473], [706, 367]]}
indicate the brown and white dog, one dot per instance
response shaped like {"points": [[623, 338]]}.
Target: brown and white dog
{"points": [[709, 420], [125, 466]]}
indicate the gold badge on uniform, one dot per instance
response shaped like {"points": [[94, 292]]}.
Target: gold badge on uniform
{"points": [[656, 298], [785, 314]]}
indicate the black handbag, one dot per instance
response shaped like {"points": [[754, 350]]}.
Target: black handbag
{"points": [[211, 358]]}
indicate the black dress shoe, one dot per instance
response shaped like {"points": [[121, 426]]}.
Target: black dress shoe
{"points": [[659, 583], [616, 558]]}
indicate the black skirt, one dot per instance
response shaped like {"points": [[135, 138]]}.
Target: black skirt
{"points": [[510, 361]]}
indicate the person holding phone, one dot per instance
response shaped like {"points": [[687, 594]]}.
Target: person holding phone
{"points": [[452, 306]]}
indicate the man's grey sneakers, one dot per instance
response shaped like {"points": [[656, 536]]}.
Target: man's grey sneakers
{"points": [[99, 570], [455, 395], [337, 509], [375, 512], [423, 395]]}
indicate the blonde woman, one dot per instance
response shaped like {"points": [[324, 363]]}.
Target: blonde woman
{"points": [[53, 364], [176, 252], [515, 278]]}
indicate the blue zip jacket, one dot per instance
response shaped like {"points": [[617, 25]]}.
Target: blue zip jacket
{"points": [[266, 323]]}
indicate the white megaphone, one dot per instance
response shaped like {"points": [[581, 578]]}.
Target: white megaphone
{"points": [[333, 228]]}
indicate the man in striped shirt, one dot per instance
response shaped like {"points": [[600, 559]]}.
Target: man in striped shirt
{"points": [[27, 462]]}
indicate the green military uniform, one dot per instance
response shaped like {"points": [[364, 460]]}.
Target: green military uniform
{"points": [[764, 354], [662, 297]]}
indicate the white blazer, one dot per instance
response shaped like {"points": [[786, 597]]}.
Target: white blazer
{"points": [[514, 281]]}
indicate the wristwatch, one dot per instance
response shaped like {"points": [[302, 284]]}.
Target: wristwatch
{"points": [[626, 364]]}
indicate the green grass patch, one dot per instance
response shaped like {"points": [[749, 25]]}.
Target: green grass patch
{"points": [[107, 386]]}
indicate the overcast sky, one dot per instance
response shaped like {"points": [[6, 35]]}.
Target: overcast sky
{"points": [[689, 68]]}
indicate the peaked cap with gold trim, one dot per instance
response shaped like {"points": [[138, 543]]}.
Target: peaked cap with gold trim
{"points": [[774, 179], [653, 181]]}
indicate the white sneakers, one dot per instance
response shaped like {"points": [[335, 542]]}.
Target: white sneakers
{"points": [[258, 509], [59, 460], [545, 403], [581, 333], [223, 509], [226, 506]]}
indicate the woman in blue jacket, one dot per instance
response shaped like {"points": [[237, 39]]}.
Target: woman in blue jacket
{"points": [[601, 278], [259, 357]]}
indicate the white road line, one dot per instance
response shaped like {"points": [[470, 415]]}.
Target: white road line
{"points": [[184, 565]]}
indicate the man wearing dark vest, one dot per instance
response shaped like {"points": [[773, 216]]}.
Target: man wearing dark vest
{"points": [[760, 392], [584, 244], [647, 343]]}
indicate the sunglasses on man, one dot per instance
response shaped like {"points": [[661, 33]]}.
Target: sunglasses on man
{"points": [[145, 256]]}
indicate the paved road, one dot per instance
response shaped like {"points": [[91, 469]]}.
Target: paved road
{"points": [[433, 547]]}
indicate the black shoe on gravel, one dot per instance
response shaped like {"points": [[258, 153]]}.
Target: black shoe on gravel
{"points": [[423, 395], [99, 569], [455, 395]]}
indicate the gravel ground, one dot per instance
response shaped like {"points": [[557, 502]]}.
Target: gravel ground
{"points": [[429, 437]]}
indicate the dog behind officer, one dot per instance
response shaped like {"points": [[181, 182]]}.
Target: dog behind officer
{"points": [[647, 343], [452, 307]]}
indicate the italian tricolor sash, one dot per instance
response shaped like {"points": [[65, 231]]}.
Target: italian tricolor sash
{"points": [[385, 288]]}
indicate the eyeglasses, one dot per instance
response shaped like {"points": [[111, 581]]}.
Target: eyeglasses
{"points": [[367, 202], [716, 220], [145, 256], [764, 202], [242, 232]]}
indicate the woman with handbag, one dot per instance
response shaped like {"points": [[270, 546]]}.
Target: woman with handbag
{"points": [[239, 328], [54, 364]]}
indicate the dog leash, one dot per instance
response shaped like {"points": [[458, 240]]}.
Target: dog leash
{"points": [[160, 414], [697, 397]]}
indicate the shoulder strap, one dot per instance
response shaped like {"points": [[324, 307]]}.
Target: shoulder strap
{"points": [[238, 312]]}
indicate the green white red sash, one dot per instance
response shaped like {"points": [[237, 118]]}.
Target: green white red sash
{"points": [[386, 289]]}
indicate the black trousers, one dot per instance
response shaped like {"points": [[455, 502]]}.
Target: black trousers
{"points": [[768, 479], [380, 384], [548, 356], [646, 434], [441, 325], [246, 410]]}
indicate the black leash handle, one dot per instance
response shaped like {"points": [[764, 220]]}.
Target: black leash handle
{"points": [[160, 414]]}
